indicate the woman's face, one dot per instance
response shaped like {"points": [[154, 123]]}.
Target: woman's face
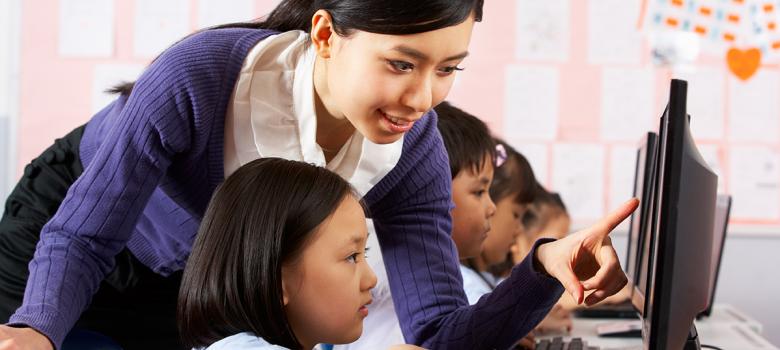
{"points": [[381, 83], [505, 226], [326, 289]]}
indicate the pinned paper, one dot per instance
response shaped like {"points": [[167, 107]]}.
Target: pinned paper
{"points": [[754, 108], [532, 100], [755, 183], [612, 33], [86, 28], [158, 25], [578, 174], [542, 30], [216, 12], [627, 103], [745, 32]]}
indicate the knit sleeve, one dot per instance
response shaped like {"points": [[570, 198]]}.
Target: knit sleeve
{"points": [[94, 222], [411, 213]]}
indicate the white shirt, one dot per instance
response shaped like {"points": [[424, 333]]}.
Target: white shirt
{"points": [[243, 341], [272, 114], [474, 286]]}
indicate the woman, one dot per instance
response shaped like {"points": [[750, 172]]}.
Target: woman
{"points": [[346, 84]]}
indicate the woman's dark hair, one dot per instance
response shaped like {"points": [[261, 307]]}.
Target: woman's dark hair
{"points": [[466, 138], [513, 175], [396, 17], [260, 218]]}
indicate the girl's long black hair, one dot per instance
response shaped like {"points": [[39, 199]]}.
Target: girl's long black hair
{"points": [[258, 219]]}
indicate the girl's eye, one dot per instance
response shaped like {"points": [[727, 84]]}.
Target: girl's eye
{"points": [[365, 253], [353, 258], [479, 193], [401, 66], [450, 70]]}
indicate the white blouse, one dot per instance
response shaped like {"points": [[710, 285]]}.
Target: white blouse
{"points": [[243, 341], [272, 114]]}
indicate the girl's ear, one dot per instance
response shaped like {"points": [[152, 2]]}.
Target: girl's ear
{"points": [[322, 33]]}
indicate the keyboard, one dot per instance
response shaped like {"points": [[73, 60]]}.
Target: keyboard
{"points": [[558, 343]]}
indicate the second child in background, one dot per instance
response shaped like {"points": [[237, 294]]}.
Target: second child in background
{"points": [[512, 190]]}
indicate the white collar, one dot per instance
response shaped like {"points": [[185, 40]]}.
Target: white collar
{"points": [[272, 114]]}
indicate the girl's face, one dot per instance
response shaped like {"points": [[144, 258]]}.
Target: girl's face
{"points": [[505, 227], [473, 209], [326, 289], [381, 83]]}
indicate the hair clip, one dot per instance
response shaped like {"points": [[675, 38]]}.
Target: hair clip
{"points": [[500, 155]]}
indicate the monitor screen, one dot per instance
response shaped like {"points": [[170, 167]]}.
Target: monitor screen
{"points": [[722, 210], [642, 180], [681, 231]]}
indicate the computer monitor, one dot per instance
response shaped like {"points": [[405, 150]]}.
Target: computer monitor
{"points": [[681, 232], [722, 211], [643, 174]]}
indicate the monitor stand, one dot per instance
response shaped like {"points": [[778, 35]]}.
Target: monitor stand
{"points": [[693, 340]]}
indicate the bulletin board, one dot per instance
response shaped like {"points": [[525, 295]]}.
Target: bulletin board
{"points": [[573, 84]]}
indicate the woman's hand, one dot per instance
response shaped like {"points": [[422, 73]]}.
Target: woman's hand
{"points": [[586, 261], [26, 338]]}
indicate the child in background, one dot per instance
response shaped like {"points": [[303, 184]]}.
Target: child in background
{"points": [[473, 158], [512, 190], [278, 262], [546, 217], [471, 152]]}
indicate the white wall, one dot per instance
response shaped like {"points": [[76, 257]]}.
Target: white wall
{"points": [[9, 92]]}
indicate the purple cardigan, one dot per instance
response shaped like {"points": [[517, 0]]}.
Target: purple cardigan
{"points": [[153, 160]]}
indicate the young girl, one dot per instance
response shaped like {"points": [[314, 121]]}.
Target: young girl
{"points": [[512, 190], [346, 84], [279, 260]]}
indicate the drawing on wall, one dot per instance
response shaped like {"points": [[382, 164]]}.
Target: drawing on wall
{"points": [[744, 32]]}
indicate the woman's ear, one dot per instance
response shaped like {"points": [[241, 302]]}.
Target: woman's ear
{"points": [[285, 288], [322, 33]]}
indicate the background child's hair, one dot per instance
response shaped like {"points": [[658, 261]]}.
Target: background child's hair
{"points": [[397, 17], [543, 197], [260, 218], [466, 138], [514, 175]]}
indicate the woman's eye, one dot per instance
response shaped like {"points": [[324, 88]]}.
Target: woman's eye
{"points": [[450, 70], [401, 66]]}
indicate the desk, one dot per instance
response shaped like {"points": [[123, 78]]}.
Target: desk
{"points": [[727, 329]]}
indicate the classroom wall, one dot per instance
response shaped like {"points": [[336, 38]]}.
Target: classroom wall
{"points": [[571, 83]]}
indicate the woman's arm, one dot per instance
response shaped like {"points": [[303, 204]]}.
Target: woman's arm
{"points": [[411, 212]]}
